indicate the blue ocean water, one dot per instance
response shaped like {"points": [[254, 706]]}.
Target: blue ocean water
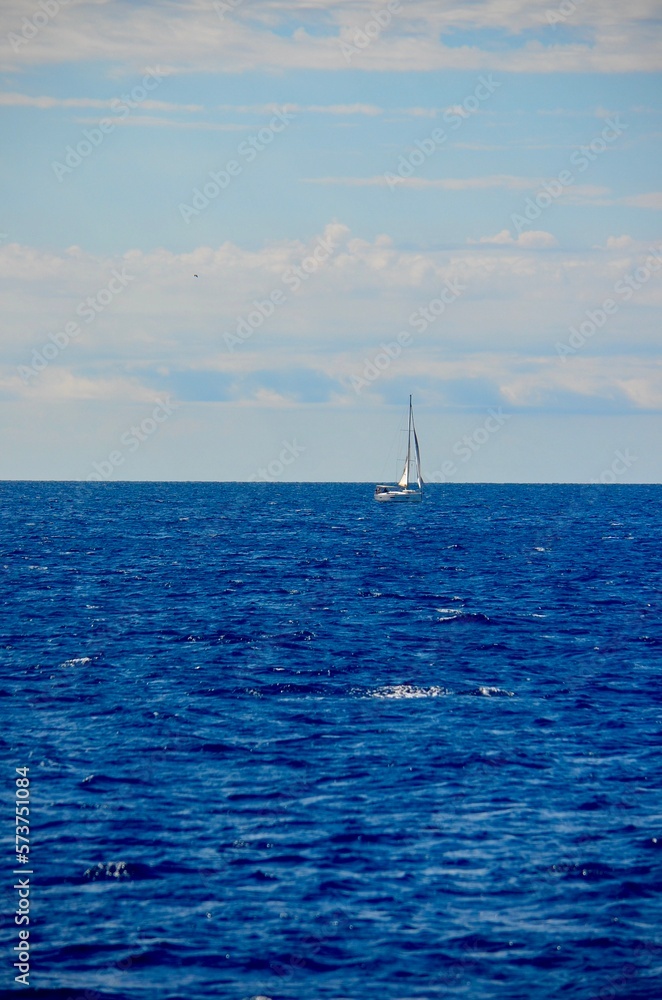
{"points": [[287, 742]]}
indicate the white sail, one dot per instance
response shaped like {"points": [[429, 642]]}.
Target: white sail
{"points": [[404, 478], [419, 474]]}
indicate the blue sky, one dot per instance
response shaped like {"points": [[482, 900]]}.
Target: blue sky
{"points": [[472, 178]]}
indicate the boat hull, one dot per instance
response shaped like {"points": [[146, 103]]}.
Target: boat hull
{"points": [[399, 496]]}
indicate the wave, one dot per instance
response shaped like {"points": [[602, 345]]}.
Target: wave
{"points": [[436, 691]]}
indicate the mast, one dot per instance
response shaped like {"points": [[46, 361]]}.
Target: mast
{"points": [[404, 479], [409, 441]]}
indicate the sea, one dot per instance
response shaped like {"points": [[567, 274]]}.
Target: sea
{"points": [[279, 740]]}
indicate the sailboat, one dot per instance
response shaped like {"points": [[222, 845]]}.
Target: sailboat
{"points": [[404, 492]]}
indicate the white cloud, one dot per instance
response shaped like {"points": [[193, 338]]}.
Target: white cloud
{"points": [[442, 183], [150, 121], [636, 381], [457, 109], [594, 195], [530, 239], [13, 99], [645, 391], [285, 34], [166, 326], [586, 194], [59, 384], [536, 239], [652, 200], [371, 110], [45, 103], [619, 242]]}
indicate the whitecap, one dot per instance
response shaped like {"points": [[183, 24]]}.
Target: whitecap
{"points": [[489, 692], [407, 691], [77, 661]]}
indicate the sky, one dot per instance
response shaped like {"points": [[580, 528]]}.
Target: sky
{"points": [[235, 236]]}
